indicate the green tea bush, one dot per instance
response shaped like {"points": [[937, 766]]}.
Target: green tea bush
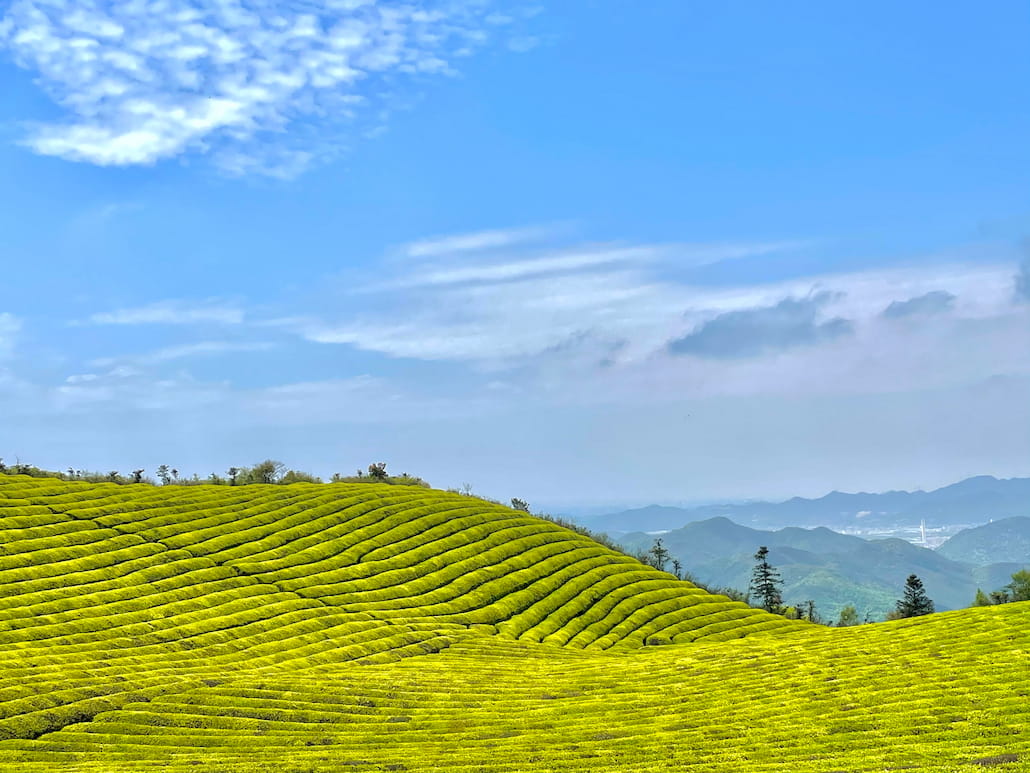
{"points": [[372, 627]]}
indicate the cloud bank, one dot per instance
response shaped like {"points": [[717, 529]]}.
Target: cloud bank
{"points": [[1023, 282], [750, 332], [146, 80], [934, 302]]}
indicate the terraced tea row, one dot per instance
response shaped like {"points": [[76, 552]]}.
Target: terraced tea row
{"points": [[111, 594], [307, 627], [396, 554], [936, 693]]}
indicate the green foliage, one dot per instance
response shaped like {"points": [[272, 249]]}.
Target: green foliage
{"points": [[915, 602], [519, 504], [203, 628], [982, 599], [658, 556], [1019, 588], [219, 628], [393, 480], [848, 617], [266, 472], [807, 611], [766, 582], [296, 476], [1000, 597]]}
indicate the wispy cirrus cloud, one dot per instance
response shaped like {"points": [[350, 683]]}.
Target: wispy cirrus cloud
{"points": [[472, 242], [172, 313], [186, 351], [557, 262], [494, 296], [262, 87], [547, 312], [511, 254]]}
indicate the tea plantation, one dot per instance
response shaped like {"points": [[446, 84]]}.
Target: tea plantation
{"points": [[365, 627]]}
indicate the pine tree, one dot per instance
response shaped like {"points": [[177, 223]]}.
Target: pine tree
{"points": [[659, 555], [982, 599], [765, 582], [915, 601]]}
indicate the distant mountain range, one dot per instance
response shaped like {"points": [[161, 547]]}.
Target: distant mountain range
{"points": [[834, 569], [968, 503]]}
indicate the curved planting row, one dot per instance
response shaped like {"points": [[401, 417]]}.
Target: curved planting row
{"points": [[111, 595], [397, 554], [940, 693]]}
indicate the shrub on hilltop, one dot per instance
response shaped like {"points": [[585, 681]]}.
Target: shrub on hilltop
{"points": [[268, 471]]}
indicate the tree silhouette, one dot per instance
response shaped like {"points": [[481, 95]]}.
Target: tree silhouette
{"points": [[1019, 588], [658, 555], [765, 582], [915, 602], [848, 616]]}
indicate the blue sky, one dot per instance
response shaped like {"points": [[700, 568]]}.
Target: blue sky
{"points": [[580, 253]]}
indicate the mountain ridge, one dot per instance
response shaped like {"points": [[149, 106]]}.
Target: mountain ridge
{"points": [[867, 574], [967, 502]]}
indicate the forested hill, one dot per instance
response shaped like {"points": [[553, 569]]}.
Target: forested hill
{"points": [[836, 570], [970, 502], [1004, 540], [369, 627]]}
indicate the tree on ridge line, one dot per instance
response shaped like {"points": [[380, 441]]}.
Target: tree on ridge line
{"points": [[914, 602], [766, 582]]}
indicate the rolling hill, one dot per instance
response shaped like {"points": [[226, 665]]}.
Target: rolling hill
{"points": [[836, 569], [367, 627]]}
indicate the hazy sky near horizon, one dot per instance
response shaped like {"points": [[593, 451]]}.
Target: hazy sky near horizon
{"points": [[579, 253]]}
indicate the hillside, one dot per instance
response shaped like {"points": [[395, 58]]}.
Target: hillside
{"points": [[1005, 540], [966, 503], [365, 627], [830, 568]]}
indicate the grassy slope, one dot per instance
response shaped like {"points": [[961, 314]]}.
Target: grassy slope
{"points": [[366, 627]]}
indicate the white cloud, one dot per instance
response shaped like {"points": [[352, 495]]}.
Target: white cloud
{"points": [[516, 269], [472, 242], [262, 87], [499, 256], [172, 313], [482, 297], [125, 389], [186, 351], [592, 322], [10, 326]]}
